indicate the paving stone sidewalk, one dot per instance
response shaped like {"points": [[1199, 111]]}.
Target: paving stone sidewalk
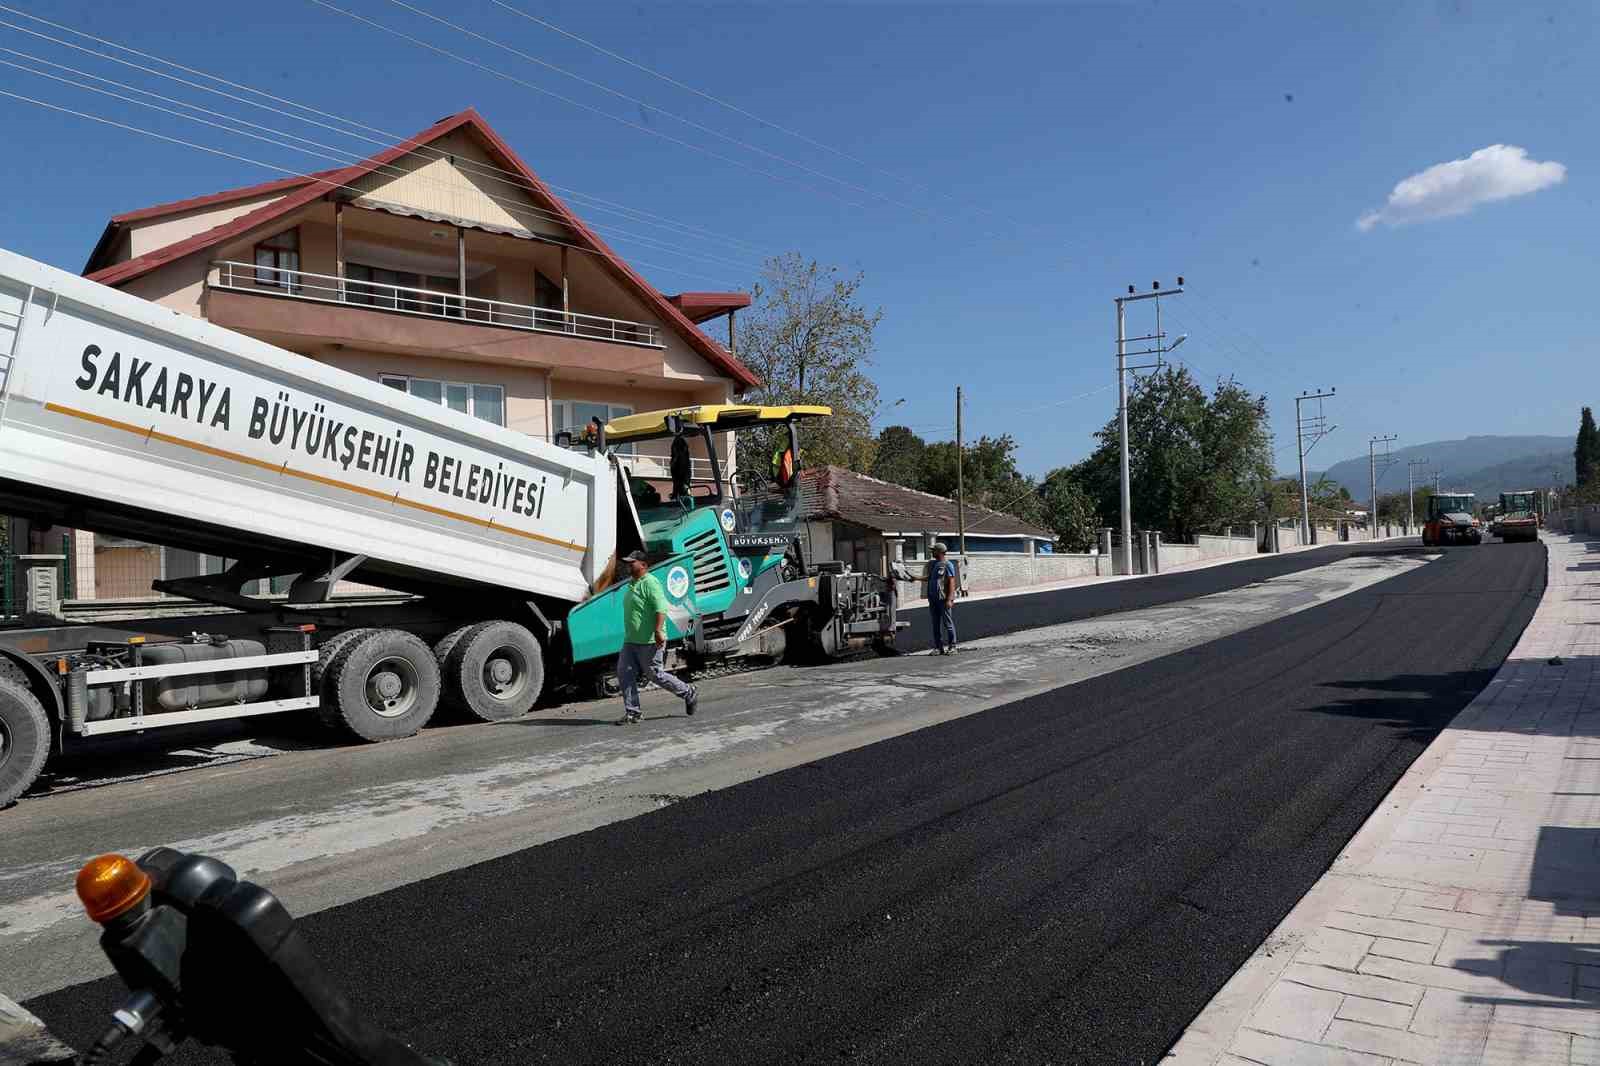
{"points": [[1462, 923]]}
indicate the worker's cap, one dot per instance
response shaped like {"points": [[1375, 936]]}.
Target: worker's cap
{"points": [[939, 548], [635, 556]]}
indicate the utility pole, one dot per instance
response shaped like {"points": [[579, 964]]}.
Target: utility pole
{"points": [[961, 510], [1372, 476], [1123, 369], [1411, 493], [1314, 428], [1436, 482]]}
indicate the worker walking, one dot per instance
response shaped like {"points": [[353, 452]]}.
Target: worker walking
{"points": [[644, 637], [942, 600]]}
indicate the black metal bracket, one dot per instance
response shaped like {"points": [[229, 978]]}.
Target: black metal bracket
{"points": [[317, 588], [223, 589]]}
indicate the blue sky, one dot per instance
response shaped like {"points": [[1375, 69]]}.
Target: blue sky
{"points": [[1025, 163]]}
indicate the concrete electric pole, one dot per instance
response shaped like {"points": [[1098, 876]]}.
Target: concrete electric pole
{"points": [[1123, 369], [1411, 493], [1313, 428], [1372, 476], [961, 510]]}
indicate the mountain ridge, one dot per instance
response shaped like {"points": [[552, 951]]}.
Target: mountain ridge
{"points": [[1484, 464]]}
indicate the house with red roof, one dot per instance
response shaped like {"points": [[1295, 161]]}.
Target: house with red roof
{"points": [[441, 266]]}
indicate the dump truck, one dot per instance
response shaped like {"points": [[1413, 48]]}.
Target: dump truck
{"points": [[121, 417], [1450, 520], [1518, 517]]}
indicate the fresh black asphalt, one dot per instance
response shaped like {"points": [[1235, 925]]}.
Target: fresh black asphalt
{"points": [[1064, 879], [1009, 614]]}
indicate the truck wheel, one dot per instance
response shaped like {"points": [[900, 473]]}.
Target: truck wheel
{"points": [[381, 685], [495, 671], [445, 645], [329, 650], [24, 739]]}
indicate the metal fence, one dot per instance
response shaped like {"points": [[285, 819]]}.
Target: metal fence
{"points": [[14, 571]]}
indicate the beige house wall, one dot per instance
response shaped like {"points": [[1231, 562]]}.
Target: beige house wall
{"points": [[436, 184], [146, 237], [179, 286], [524, 388]]}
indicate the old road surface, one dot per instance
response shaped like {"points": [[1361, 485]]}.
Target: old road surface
{"points": [[1063, 877]]}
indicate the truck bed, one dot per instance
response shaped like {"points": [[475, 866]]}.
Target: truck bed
{"points": [[121, 416]]}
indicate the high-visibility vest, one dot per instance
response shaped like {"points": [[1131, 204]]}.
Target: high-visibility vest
{"points": [[783, 467]]}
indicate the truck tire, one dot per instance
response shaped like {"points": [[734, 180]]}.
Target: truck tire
{"points": [[381, 685], [441, 655], [329, 650], [495, 672], [24, 739]]}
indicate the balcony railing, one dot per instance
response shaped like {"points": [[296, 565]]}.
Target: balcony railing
{"points": [[429, 303]]}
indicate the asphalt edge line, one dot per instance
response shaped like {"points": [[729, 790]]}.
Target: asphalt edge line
{"points": [[1210, 1035]]}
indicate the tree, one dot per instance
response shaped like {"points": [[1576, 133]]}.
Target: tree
{"points": [[899, 457], [1196, 462], [1586, 453], [1068, 511], [810, 341]]}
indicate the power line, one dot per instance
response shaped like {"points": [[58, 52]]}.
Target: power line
{"points": [[1246, 334], [646, 105], [389, 138], [343, 157], [90, 116], [420, 43], [735, 108]]}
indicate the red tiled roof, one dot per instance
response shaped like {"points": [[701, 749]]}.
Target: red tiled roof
{"points": [[699, 306], [834, 492], [314, 186], [225, 196]]}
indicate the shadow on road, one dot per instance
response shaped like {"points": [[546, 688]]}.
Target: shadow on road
{"points": [[1419, 705]]}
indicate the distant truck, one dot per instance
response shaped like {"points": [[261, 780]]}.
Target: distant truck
{"points": [[121, 417], [1519, 517], [1451, 521]]}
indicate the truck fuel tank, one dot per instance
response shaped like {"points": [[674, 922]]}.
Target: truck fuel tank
{"points": [[203, 690]]}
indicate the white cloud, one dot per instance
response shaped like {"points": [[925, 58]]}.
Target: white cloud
{"points": [[1497, 172]]}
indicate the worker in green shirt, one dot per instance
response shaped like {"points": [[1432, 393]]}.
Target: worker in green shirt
{"points": [[644, 641]]}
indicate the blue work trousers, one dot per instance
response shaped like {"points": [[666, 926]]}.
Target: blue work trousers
{"points": [[944, 624], [646, 660]]}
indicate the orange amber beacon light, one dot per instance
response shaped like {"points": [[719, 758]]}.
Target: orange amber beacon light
{"points": [[110, 886]]}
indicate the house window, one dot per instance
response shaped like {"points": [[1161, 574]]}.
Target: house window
{"points": [[573, 415], [278, 260], [487, 402]]}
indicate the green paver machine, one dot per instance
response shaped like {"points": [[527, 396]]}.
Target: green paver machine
{"points": [[731, 552]]}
